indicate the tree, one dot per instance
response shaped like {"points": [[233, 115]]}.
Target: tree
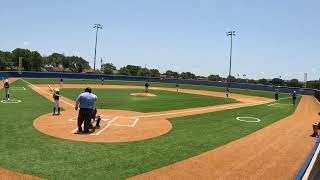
{"points": [[154, 73], [6, 60], [188, 75], [277, 82], [78, 64], [214, 78], [36, 61], [108, 68], [231, 78], [294, 83], [313, 84], [172, 74], [26, 56], [143, 72], [263, 81], [124, 71]]}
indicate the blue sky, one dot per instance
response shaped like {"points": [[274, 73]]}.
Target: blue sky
{"points": [[273, 37]]}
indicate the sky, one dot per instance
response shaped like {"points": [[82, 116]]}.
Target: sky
{"points": [[273, 38]]}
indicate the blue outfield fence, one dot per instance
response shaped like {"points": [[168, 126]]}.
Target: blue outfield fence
{"points": [[303, 91]]}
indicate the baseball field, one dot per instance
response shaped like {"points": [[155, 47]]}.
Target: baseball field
{"points": [[196, 133]]}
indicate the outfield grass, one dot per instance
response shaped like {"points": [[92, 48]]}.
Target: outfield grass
{"points": [[24, 149], [267, 94], [164, 101]]}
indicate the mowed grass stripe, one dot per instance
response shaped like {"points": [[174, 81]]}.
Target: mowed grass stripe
{"points": [[164, 101], [157, 84], [24, 149]]}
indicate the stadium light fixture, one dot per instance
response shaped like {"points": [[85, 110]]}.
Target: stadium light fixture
{"points": [[231, 34], [97, 27]]}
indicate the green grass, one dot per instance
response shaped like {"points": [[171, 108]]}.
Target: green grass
{"points": [[164, 101], [267, 94], [24, 149]]}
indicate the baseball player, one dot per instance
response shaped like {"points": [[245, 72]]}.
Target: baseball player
{"points": [[146, 87], [276, 95], [102, 81], [227, 93], [95, 119], [61, 83], [56, 102], [7, 89], [177, 86], [294, 97]]}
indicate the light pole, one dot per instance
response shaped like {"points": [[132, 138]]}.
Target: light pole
{"points": [[97, 26], [231, 34]]}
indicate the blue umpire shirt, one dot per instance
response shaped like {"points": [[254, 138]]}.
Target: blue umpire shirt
{"points": [[86, 100]]}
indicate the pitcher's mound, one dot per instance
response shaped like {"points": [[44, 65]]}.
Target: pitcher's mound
{"points": [[143, 94]]}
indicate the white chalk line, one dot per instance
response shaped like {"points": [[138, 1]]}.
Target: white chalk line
{"points": [[108, 125], [12, 101], [272, 104], [203, 109], [47, 92], [313, 160], [250, 121], [18, 88], [102, 119]]}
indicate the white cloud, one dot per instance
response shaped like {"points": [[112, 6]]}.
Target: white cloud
{"points": [[26, 43]]}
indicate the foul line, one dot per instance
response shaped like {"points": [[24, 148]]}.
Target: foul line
{"points": [[46, 92], [205, 109]]}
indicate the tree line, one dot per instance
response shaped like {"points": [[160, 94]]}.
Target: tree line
{"points": [[33, 61]]}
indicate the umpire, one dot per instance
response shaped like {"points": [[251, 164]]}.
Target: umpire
{"points": [[85, 102]]}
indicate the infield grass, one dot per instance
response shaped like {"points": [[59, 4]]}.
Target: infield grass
{"points": [[164, 101], [267, 94], [26, 150]]}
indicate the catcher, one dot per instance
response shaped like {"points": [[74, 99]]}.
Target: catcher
{"points": [[95, 119]]}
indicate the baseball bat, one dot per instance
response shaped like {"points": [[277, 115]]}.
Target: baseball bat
{"points": [[50, 88]]}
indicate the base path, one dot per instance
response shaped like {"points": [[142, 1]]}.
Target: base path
{"points": [[125, 126], [6, 174], [275, 152]]}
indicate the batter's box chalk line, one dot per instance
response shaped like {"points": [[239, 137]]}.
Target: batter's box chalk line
{"points": [[11, 101], [245, 119], [135, 120], [103, 118]]}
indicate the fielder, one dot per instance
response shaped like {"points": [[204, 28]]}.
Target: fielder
{"points": [[7, 89], [102, 81], [61, 83], [146, 87], [276, 95], [227, 93], [56, 101], [294, 97], [177, 86]]}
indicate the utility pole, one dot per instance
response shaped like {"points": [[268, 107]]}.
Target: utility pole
{"points": [[231, 34], [101, 64], [97, 27], [305, 80]]}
